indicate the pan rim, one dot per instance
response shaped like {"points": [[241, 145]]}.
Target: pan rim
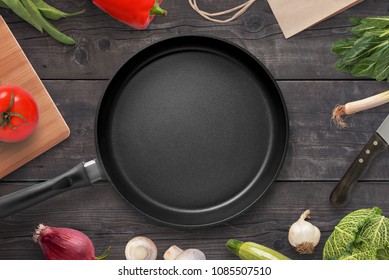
{"points": [[282, 108]]}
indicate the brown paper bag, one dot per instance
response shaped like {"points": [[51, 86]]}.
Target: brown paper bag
{"points": [[294, 16]]}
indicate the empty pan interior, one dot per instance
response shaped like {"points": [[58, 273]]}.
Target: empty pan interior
{"points": [[192, 131]]}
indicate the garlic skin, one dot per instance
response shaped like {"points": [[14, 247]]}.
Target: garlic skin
{"points": [[303, 235], [141, 248]]}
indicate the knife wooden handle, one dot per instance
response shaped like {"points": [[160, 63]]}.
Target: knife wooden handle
{"points": [[341, 194]]}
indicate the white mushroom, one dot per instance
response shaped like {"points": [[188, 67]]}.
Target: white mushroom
{"points": [[141, 248], [172, 252], [191, 254], [175, 253]]}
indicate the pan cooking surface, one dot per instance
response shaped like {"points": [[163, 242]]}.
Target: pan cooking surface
{"points": [[192, 131]]}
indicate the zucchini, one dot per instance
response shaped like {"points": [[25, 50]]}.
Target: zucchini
{"points": [[253, 251]]}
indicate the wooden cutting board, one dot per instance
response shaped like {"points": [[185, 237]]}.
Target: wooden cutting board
{"points": [[16, 70]]}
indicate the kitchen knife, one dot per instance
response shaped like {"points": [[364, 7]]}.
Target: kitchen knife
{"points": [[341, 194]]}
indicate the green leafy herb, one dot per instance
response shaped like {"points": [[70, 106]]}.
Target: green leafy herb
{"points": [[361, 235], [367, 53]]}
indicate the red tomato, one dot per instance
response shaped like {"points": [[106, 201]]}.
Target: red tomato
{"points": [[18, 114]]}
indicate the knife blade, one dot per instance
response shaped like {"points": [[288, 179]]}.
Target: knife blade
{"points": [[341, 194]]}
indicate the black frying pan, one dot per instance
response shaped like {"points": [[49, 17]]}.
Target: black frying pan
{"points": [[191, 131]]}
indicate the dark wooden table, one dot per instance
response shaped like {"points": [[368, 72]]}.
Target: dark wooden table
{"points": [[318, 154]]}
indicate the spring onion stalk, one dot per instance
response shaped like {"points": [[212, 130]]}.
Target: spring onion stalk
{"points": [[357, 106]]}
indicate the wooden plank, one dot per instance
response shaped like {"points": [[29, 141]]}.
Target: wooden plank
{"points": [[318, 149], [109, 221], [318, 154], [105, 44]]}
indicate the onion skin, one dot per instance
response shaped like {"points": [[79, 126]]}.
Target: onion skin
{"points": [[64, 243]]}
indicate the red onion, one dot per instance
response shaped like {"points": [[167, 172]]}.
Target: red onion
{"points": [[65, 244]]}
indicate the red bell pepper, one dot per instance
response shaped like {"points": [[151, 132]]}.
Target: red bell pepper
{"points": [[136, 13]]}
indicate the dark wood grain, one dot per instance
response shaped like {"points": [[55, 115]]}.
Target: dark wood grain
{"points": [[109, 221], [318, 154], [104, 43]]}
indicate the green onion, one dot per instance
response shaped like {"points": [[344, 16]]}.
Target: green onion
{"points": [[357, 106]]}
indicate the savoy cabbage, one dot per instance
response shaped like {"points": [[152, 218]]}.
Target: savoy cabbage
{"points": [[361, 235]]}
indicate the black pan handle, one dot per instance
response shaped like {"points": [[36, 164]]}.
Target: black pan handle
{"points": [[81, 175], [341, 194]]}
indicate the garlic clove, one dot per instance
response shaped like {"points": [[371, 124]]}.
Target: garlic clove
{"points": [[172, 252], [141, 248], [303, 235], [191, 254]]}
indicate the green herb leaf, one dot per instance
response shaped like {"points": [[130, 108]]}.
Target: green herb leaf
{"points": [[342, 46], [365, 54], [381, 70], [366, 66], [355, 21], [377, 22], [369, 24], [362, 48], [342, 66]]}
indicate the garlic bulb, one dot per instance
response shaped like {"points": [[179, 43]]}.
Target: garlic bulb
{"points": [[304, 236]]}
